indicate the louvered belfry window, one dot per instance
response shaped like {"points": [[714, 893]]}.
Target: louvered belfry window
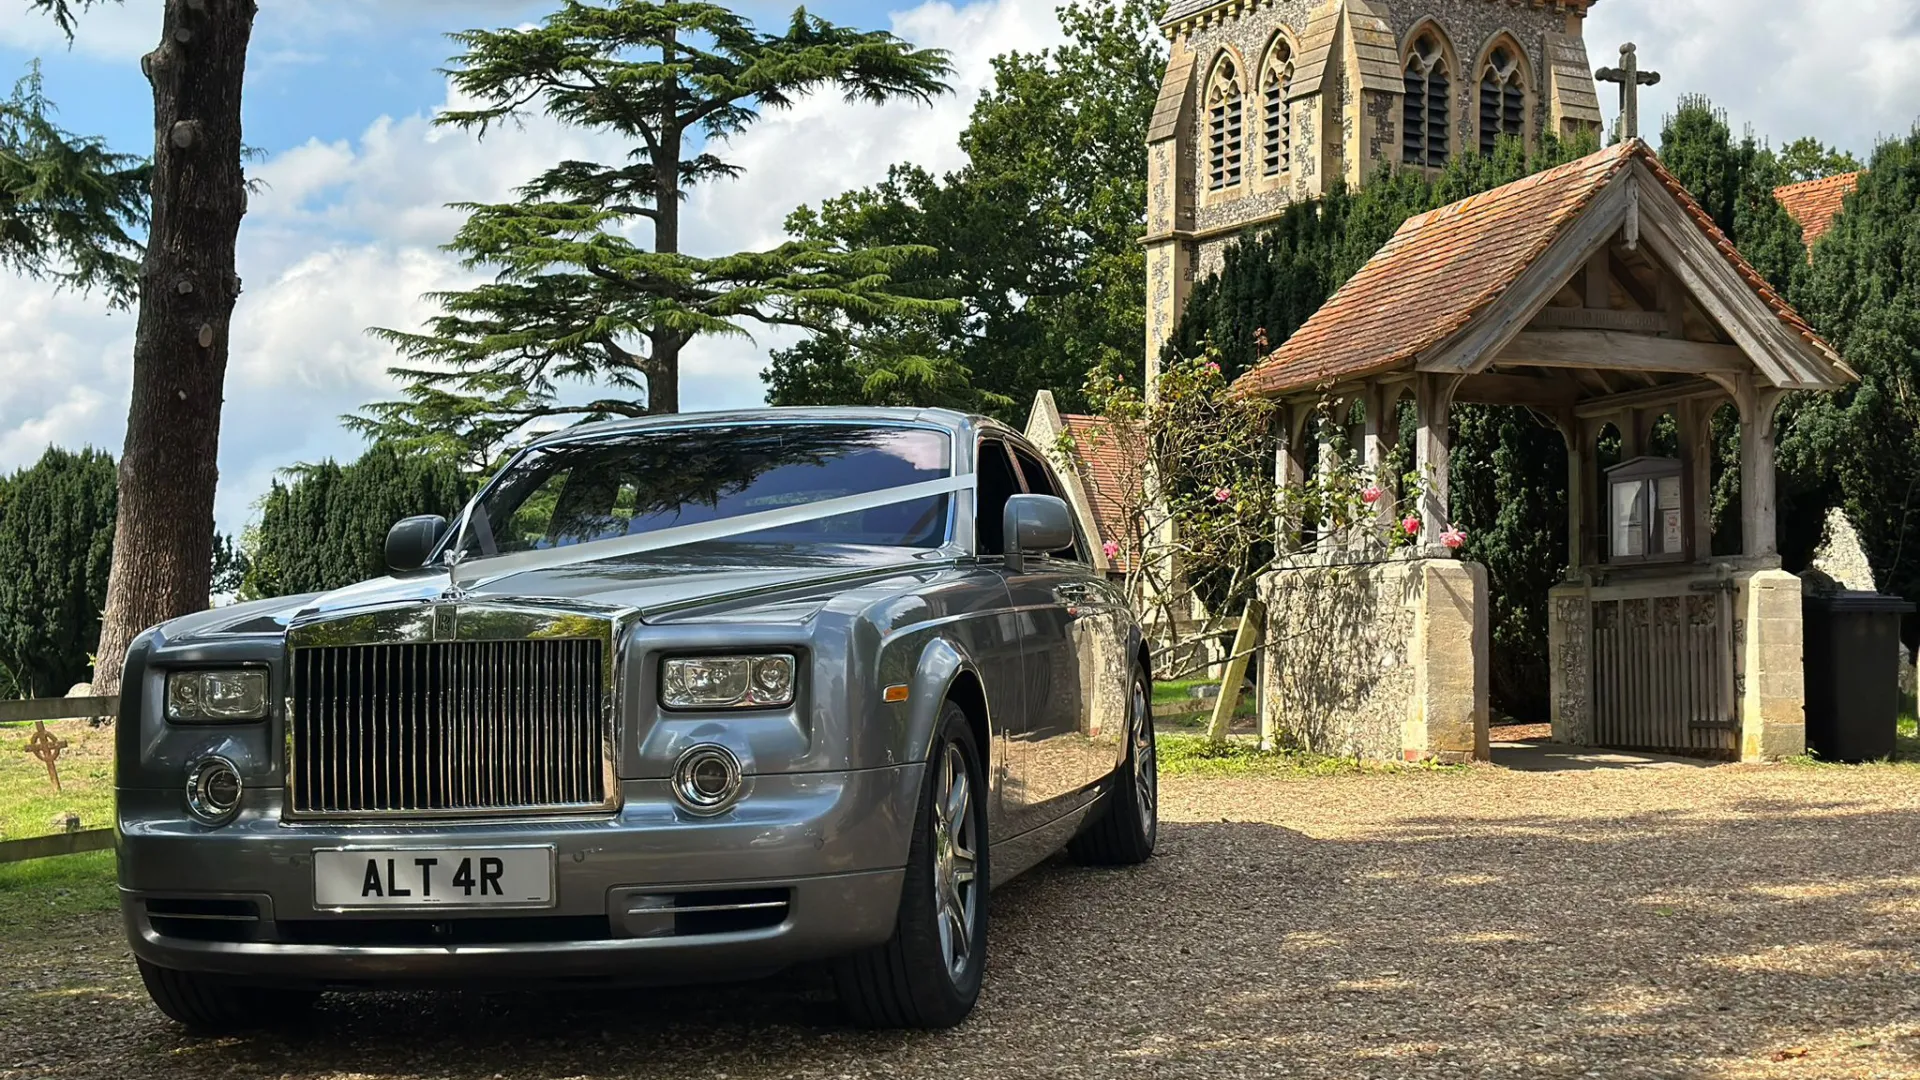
{"points": [[1226, 127], [1424, 134], [1277, 129], [1503, 100]]}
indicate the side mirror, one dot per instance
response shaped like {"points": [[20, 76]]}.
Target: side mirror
{"points": [[1036, 524], [410, 543]]}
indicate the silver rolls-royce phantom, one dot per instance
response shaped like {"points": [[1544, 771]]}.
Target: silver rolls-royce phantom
{"points": [[672, 700]]}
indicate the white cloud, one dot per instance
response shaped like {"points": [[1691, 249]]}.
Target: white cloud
{"points": [[346, 235], [1847, 73]]}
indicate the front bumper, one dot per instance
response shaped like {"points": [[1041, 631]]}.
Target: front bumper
{"points": [[831, 844]]}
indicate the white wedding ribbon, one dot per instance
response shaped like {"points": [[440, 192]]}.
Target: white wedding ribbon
{"points": [[475, 573]]}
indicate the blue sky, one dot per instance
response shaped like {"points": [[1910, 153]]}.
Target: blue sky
{"points": [[339, 101]]}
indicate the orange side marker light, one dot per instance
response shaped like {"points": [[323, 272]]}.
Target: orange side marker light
{"points": [[895, 694]]}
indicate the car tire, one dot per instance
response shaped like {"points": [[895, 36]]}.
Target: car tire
{"points": [[916, 979], [1129, 825], [215, 1006]]}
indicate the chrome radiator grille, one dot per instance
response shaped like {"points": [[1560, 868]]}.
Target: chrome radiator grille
{"points": [[447, 728]]}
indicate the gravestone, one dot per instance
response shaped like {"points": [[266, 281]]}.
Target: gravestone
{"points": [[1842, 557]]}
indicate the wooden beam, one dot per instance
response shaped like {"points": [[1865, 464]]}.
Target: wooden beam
{"points": [[46, 847], [1611, 351], [1496, 389], [1653, 396], [74, 708], [1630, 282], [1599, 282], [1633, 322]]}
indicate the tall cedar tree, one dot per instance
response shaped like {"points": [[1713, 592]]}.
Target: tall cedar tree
{"points": [[69, 207], [577, 300], [1037, 236], [326, 526], [1863, 295], [56, 539], [163, 549]]}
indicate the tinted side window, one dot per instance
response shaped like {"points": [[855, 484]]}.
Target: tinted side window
{"points": [[997, 484], [1040, 481]]}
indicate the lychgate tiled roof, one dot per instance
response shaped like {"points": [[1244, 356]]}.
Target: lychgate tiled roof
{"points": [[1444, 267], [1814, 203]]}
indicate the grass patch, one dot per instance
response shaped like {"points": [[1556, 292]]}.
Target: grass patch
{"points": [[1195, 755], [53, 892], [28, 802], [1906, 751]]}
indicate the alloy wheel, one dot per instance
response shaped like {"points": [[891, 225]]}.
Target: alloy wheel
{"points": [[955, 861], [1146, 772]]}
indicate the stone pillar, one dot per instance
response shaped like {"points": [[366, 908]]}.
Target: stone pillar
{"points": [[1570, 663], [1452, 647], [1773, 684], [1434, 400]]}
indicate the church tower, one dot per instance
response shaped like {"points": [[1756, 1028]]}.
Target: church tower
{"points": [[1269, 102]]}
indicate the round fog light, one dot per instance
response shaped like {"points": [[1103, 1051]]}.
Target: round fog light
{"points": [[707, 779], [213, 790]]}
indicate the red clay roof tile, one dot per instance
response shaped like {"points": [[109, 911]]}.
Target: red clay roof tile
{"points": [[1444, 267], [1109, 466], [1815, 202]]}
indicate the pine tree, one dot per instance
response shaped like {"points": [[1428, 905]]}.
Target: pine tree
{"points": [[56, 541], [1863, 295], [326, 526], [577, 302]]}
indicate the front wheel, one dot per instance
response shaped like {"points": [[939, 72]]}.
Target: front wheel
{"points": [[928, 974], [1129, 824], [211, 1005]]}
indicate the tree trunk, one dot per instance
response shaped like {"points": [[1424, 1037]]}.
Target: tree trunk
{"points": [[663, 380], [163, 546]]}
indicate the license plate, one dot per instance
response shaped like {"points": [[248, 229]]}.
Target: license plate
{"points": [[416, 877]]}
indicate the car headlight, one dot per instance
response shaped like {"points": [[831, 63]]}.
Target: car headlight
{"points": [[728, 682], [216, 696]]}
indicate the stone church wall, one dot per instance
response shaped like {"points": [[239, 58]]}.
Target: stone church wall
{"points": [[1469, 26], [1382, 661]]}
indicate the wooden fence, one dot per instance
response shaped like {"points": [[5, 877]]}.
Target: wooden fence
{"points": [[68, 843]]}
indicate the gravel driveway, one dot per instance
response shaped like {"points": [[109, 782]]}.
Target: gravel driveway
{"points": [[1715, 922]]}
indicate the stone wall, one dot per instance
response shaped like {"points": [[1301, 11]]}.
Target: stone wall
{"points": [[1381, 661]]}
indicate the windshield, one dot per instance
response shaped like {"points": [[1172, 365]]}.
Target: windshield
{"points": [[641, 482]]}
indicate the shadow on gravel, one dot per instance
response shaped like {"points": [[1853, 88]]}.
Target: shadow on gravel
{"points": [[1659, 945]]}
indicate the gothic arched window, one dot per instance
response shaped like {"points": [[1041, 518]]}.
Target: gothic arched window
{"points": [[1425, 134], [1503, 99], [1226, 126], [1276, 141]]}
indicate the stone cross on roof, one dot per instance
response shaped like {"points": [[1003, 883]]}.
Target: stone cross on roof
{"points": [[1631, 79]]}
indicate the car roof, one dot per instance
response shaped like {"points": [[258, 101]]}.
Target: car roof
{"points": [[954, 421]]}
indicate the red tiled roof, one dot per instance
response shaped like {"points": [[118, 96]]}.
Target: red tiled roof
{"points": [[1814, 202], [1444, 267], [1109, 466]]}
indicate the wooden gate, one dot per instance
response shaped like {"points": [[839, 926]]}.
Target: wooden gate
{"points": [[1664, 669]]}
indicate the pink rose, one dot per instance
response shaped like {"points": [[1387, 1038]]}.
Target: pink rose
{"points": [[1223, 495], [1454, 539], [1412, 525], [1213, 368], [1372, 495], [1112, 549]]}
